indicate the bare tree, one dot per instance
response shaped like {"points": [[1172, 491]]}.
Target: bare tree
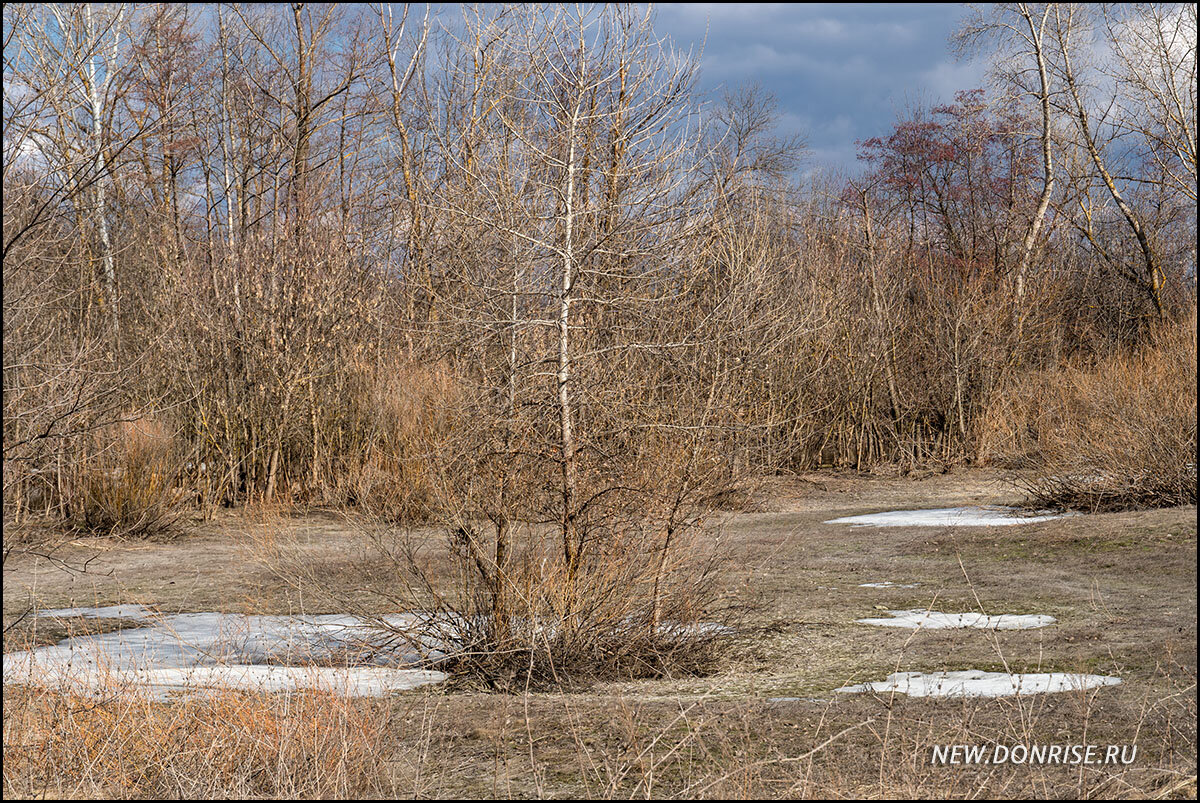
{"points": [[72, 57], [1071, 26], [1154, 55], [1020, 31]]}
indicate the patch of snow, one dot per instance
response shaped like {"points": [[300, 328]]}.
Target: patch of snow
{"points": [[273, 653], [949, 517], [356, 681], [888, 584], [935, 620], [701, 629], [972, 683]]}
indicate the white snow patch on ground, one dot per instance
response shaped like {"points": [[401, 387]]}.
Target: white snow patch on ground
{"points": [[973, 683], [355, 681], [198, 650], [700, 629], [948, 517], [935, 620], [888, 584]]}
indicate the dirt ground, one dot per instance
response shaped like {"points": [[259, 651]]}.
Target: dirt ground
{"points": [[1122, 587]]}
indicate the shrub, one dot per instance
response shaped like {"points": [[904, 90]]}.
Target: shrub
{"points": [[396, 413], [127, 486], [1119, 433]]}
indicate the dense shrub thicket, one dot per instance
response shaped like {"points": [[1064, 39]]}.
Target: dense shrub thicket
{"points": [[340, 258]]}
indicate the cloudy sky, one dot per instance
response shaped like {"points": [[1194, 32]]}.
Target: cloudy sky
{"points": [[840, 72]]}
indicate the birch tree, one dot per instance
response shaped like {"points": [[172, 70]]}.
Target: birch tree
{"points": [[572, 156], [72, 55], [1019, 32], [1098, 135]]}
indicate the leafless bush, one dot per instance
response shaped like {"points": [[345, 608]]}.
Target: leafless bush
{"points": [[632, 610], [126, 483], [395, 414], [1117, 433]]}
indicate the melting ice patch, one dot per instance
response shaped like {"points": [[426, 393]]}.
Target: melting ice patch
{"points": [[935, 620], [699, 630], [973, 683], [354, 681], [948, 517], [270, 653]]}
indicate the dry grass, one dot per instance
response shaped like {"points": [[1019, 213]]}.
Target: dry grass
{"points": [[883, 748], [128, 486], [396, 412], [310, 745], [1116, 434], [211, 745]]}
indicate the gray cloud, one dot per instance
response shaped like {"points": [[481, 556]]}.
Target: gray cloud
{"points": [[840, 71]]}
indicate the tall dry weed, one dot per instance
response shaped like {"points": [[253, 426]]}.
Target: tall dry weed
{"points": [[126, 483], [397, 413], [216, 744], [1117, 433]]}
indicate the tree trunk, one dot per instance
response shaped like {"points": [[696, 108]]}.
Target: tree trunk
{"points": [[1035, 225], [1155, 278], [566, 412]]}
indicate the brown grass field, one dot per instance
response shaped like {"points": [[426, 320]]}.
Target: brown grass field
{"points": [[1121, 585]]}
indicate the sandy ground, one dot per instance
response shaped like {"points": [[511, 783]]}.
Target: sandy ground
{"points": [[1121, 586], [216, 565]]}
